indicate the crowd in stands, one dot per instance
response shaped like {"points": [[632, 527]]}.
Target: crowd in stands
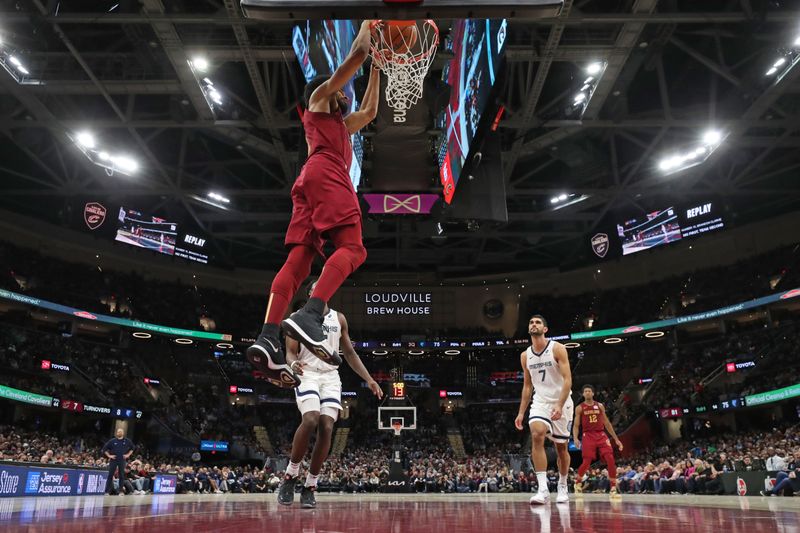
{"points": [[178, 304]]}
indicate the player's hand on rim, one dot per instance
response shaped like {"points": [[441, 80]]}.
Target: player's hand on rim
{"points": [[555, 414]]}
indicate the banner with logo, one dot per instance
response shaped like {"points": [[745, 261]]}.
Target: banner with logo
{"points": [[165, 484], [25, 396], [773, 395], [50, 481], [401, 204], [134, 324]]}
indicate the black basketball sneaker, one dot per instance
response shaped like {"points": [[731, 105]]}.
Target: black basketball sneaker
{"points": [[307, 499], [286, 490], [267, 357], [305, 326]]}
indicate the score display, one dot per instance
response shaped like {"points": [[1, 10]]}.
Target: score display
{"points": [[398, 390]]}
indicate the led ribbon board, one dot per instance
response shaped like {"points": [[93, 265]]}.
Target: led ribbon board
{"points": [[124, 322]]}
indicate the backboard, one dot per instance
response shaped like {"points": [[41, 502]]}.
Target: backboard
{"points": [[388, 416], [400, 9]]}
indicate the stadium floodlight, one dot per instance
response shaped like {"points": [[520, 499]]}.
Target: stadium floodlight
{"points": [[125, 163], [215, 96], [85, 139], [18, 65], [712, 137], [693, 155], [87, 143], [199, 63], [219, 198], [579, 98], [594, 68], [771, 71], [797, 42], [562, 197]]}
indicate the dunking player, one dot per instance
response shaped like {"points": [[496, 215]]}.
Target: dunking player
{"points": [[545, 367], [325, 206], [591, 416], [319, 399]]}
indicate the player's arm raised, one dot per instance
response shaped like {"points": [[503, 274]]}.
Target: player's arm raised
{"points": [[561, 357], [527, 390], [292, 356], [576, 426], [355, 58], [354, 360], [609, 427], [369, 106]]}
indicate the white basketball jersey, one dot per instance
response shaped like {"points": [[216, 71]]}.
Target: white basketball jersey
{"points": [[333, 330], [545, 376]]}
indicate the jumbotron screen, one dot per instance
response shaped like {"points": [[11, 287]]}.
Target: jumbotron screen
{"points": [[321, 46], [477, 46], [152, 233], [160, 235], [668, 225]]}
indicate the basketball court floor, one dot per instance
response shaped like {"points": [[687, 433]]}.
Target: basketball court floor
{"points": [[401, 513]]}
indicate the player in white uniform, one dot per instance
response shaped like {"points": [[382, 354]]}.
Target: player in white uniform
{"points": [[319, 398], [545, 367]]}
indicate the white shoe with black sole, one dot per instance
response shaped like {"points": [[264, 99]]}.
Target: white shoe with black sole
{"points": [[306, 328]]}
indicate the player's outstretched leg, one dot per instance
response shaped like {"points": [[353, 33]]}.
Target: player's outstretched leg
{"points": [[305, 325], [266, 354]]}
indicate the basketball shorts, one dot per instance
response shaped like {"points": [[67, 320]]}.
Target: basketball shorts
{"points": [[320, 392], [593, 444], [557, 430], [322, 199]]}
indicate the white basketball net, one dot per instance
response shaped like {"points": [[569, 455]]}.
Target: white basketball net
{"points": [[405, 71]]}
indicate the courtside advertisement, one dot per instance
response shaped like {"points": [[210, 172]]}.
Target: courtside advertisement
{"points": [[46, 481]]}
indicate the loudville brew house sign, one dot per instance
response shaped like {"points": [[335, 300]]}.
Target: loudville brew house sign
{"points": [[398, 303]]}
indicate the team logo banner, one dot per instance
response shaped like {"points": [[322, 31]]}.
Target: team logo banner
{"points": [[600, 245], [94, 215], [401, 204]]}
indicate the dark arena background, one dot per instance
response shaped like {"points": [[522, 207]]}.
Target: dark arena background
{"points": [[628, 169]]}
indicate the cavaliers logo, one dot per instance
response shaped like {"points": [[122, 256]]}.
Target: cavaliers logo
{"points": [[85, 314], [741, 487], [94, 215], [791, 294], [600, 245]]}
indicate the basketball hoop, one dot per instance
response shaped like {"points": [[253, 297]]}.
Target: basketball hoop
{"points": [[405, 66], [397, 426]]}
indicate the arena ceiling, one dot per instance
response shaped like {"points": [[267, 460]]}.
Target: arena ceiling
{"points": [[675, 68]]}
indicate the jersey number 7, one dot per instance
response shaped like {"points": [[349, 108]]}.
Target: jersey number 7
{"points": [[543, 373]]}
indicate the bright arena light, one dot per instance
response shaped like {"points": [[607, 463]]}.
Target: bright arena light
{"points": [[200, 64], [712, 137], [693, 155], [219, 198], [594, 68], [580, 97], [125, 163], [86, 139]]}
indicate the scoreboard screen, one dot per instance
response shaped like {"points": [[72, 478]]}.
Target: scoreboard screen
{"points": [[398, 390]]}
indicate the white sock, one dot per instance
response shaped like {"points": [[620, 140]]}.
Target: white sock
{"points": [[293, 469], [311, 480], [541, 478], [562, 479]]}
